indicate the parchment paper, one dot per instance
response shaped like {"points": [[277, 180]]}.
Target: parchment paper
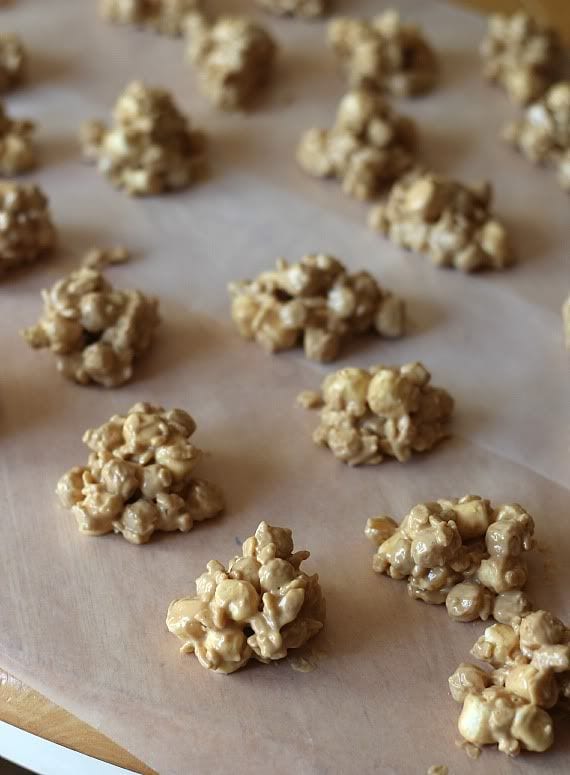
{"points": [[82, 619]]}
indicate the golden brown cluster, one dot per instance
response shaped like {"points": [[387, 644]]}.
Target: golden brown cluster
{"points": [[369, 414], [462, 552], [317, 302], [139, 477], [261, 606]]}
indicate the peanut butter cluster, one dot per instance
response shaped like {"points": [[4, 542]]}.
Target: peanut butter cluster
{"points": [[308, 9], [316, 302], [461, 552], [139, 477], [166, 17], [384, 54], [449, 221], [152, 147], [13, 62], [234, 58], [260, 607], [17, 152], [391, 411], [26, 229], [543, 133], [95, 331], [368, 147], [508, 705], [520, 55]]}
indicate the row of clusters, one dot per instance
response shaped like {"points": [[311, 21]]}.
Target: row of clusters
{"points": [[527, 60], [469, 555]]}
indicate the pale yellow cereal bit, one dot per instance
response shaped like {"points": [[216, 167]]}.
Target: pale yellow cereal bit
{"points": [[367, 148], [164, 16], [440, 547], [151, 148], [542, 134], [13, 62], [521, 55], [308, 9], [507, 705], [384, 411], [17, 151], [140, 477], [26, 229], [234, 58], [99, 258], [95, 331], [450, 222], [438, 769], [384, 54], [466, 679], [309, 399], [261, 606], [315, 302]]}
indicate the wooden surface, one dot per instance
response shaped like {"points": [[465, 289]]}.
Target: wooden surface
{"points": [[29, 710]]}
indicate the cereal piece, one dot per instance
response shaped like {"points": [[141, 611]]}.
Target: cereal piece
{"points": [[508, 705], [95, 331], [316, 302], [139, 477], [384, 54], [467, 679], [13, 62], [308, 9], [441, 547], [17, 152], [451, 222], [26, 230], [151, 149], [234, 58], [98, 258], [387, 410], [520, 55], [368, 147], [260, 607], [510, 606], [543, 133], [167, 17]]}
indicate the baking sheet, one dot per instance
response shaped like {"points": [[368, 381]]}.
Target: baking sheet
{"points": [[81, 619]]}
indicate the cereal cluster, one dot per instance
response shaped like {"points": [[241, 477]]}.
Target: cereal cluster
{"points": [[139, 477], [95, 331], [17, 152], [26, 230], [260, 607], [520, 55], [384, 54], [508, 705], [383, 411], [461, 552], [151, 148], [449, 221], [234, 58], [13, 62], [308, 9], [164, 16], [543, 133], [315, 301], [368, 147]]}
